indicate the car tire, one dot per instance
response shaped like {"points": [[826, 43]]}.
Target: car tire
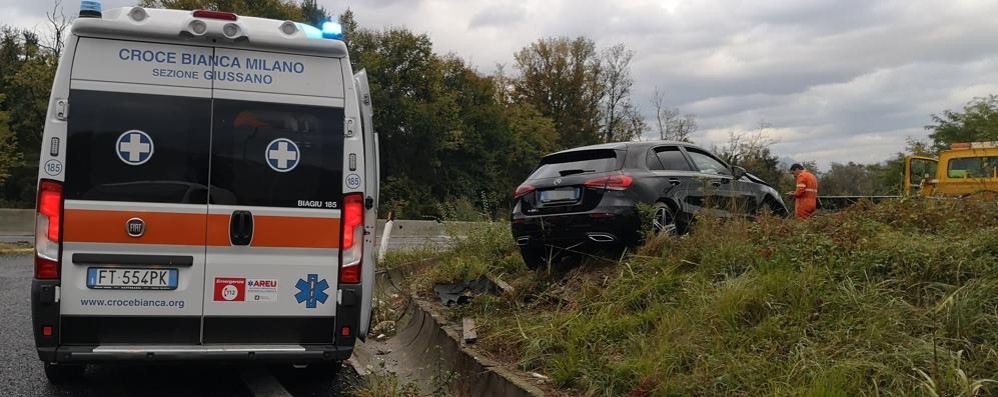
{"points": [[664, 221], [776, 208], [534, 257], [58, 374]]}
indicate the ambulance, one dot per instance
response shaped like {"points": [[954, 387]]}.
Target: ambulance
{"points": [[208, 190]]}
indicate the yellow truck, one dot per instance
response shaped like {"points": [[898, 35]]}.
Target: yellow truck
{"points": [[965, 170]]}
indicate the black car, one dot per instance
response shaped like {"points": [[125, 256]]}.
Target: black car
{"points": [[588, 196]]}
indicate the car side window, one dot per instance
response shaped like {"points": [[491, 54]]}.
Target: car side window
{"points": [[706, 163], [672, 159], [653, 163]]}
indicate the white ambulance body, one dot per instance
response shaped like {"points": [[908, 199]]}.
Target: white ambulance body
{"points": [[207, 190]]}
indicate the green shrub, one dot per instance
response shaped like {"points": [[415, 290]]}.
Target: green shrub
{"points": [[899, 298]]}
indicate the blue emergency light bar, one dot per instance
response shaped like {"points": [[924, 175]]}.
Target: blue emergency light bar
{"points": [[330, 30], [90, 9]]}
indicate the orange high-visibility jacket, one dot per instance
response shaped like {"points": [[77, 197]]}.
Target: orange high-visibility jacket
{"points": [[806, 195]]}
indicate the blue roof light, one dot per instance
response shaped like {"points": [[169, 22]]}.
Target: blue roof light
{"points": [[310, 31], [90, 9], [332, 30]]}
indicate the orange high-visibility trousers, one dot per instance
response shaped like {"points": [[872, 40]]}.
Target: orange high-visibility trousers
{"points": [[806, 195]]}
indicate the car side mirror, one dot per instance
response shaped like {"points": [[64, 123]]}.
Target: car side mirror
{"points": [[738, 172]]}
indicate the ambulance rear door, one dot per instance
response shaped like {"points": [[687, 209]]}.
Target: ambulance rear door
{"points": [[275, 199], [136, 194], [371, 189]]}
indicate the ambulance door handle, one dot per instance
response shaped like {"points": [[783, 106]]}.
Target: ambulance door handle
{"points": [[241, 227]]}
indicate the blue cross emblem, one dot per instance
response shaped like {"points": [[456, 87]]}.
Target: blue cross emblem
{"points": [[282, 155], [134, 147], [311, 291]]}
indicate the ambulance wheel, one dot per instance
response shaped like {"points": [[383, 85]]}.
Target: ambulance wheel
{"points": [[63, 373]]}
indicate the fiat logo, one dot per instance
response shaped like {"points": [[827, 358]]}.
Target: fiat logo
{"points": [[135, 227]]}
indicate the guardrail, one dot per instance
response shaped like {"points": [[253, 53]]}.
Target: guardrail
{"points": [[17, 222], [841, 202]]}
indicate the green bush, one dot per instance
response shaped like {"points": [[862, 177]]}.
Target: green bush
{"points": [[899, 298]]}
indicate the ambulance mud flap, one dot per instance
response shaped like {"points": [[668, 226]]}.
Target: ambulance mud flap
{"points": [[45, 317], [348, 315]]}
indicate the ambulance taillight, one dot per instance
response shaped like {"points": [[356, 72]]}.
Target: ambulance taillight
{"points": [[353, 238], [48, 233]]}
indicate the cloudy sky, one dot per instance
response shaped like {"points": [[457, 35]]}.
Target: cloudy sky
{"points": [[839, 80]]}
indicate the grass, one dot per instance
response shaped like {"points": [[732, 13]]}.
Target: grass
{"points": [[899, 298], [16, 249], [381, 383]]}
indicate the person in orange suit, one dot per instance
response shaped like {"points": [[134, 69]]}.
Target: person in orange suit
{"points": [[806, 195]]}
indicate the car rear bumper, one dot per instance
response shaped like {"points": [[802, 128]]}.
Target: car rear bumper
{"points": [[166, 353], [603, 225]]}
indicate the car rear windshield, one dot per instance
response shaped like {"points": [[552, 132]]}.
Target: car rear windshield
{"points": [[578, 162]]}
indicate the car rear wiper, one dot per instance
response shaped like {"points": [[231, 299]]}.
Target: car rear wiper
{"points": [[573, 172]]}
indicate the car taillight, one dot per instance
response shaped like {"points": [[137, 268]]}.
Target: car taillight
{"points": [[523, 190], [612, 182], [48, 236], [225, 16], [352, 249]]}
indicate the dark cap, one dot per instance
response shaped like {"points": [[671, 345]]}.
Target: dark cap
{"points": [[796, 167]]}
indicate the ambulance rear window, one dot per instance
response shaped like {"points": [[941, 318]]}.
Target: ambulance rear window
{"points": [[276, 155], [137, 147]]}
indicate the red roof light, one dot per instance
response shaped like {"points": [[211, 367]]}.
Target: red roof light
{"points": [[208, 14]]}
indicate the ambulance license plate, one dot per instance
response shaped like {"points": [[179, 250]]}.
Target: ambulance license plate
{"points": [[125, 278]]}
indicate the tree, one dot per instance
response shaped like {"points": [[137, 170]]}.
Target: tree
{"points": [[752, 151], [349, 24], [58, 25], [621, 119], [276, 9], [9, 156], [26, 71], [746, 144], [848, 179], [671, 124], [560, 78], [314, 13], [503, 85], [531, 136], [978, 122]]}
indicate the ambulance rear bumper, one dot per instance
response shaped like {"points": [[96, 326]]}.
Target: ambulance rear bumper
{"points": [[165, 353]]}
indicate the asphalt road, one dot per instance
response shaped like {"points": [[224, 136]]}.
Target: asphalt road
{"points": [[22, 374]]}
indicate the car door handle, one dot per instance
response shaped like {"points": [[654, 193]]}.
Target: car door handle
{"points": [[241, 227], [674, 181]]}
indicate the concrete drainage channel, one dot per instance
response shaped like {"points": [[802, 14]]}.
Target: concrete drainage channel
{"points": [[427, 349]]}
